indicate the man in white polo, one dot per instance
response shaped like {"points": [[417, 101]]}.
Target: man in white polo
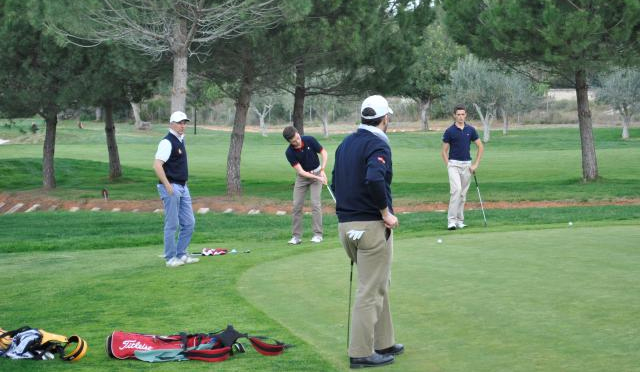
{"points": [[171, 168]]}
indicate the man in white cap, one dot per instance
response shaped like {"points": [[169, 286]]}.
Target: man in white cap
{"points": [[171, 168], [361, 183]]}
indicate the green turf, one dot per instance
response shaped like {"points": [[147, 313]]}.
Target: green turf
{"points": [[74, 288], [526, 293], [550, 300], [66, 231], [524, 165]]}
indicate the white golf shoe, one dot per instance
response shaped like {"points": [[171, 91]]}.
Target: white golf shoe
{"points": [[294, 241], [316, 239], [186, 259], [460, 225], [174, 262]]}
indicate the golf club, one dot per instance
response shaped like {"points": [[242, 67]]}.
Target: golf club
{"points": [[331, 192], [480, 197], [349, 309]]}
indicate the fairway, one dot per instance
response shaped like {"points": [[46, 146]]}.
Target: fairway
{"points": [[563, 299], [528, 293]]}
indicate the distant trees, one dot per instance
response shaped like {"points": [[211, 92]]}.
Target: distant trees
{"points": [[571, 39], [428, 76], [490, 91], [115, 78], [516, 95], [181, 28], [37, 76], [621, 90], [346, 47]]}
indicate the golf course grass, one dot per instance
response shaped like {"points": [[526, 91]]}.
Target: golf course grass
{"points": [[530, 292], [561, 299]]}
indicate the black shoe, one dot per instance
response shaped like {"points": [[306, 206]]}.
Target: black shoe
{"points": [[396, 349], [373, 360]]}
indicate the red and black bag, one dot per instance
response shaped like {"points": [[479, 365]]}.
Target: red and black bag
{"points": [[208, 347]]}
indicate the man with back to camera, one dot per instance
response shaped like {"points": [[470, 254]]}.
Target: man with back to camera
{"points": [[302, 154], [456, 145], [171, 168], [361, 182]]}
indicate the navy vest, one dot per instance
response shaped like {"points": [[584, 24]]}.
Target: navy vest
{"points": [[176, 167]]}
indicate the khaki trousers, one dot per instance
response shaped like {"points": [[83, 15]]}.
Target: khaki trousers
{"points": [[371, 323], [299, 192], [459, 180]]}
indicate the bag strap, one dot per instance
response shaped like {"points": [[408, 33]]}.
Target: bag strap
{"points": [[213, 355], [268, 349]]}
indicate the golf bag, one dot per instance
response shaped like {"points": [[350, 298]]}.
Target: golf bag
{"points": [[32, 343], [209, 347]]}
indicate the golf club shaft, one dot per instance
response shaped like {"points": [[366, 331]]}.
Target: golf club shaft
{"points": [[331, 192], [349, 309], [484, 217]]}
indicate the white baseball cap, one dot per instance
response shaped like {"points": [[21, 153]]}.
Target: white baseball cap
{"points": [[379, 105], [178, 116]]}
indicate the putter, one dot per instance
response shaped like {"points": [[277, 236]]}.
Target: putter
{"points": [[331, 192], [480, 197], [349, 309]]}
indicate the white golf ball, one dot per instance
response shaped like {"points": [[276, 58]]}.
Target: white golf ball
{"points": [[439, 240], [570, 223]]}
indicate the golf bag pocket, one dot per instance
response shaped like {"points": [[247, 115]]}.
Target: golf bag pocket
{"points": [[123, 345]]}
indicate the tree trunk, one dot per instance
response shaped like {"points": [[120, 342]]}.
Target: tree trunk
{"points": [[589, 161], [486, 123], [115, 170], [234, 182], [179, 91], [135, 107], [298, 99], [625, 127], [179, 48], [48, 150], [325, 122], [626, 121], [98, 113], [425, 105], [261, 116], [505, 121], [263, 127]]}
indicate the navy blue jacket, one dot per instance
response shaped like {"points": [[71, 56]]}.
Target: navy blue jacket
{"points": [[176, 167], [361, 177]]}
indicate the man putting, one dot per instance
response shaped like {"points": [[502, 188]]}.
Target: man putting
{"points": [[171, 168], [302, 154], [362, 183], [456, 145]]}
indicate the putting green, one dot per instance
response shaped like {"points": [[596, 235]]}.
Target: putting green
{"points": [[546, 300]]}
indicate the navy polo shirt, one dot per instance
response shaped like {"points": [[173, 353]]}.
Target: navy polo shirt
{"points": [[361, 178], [459, 141], [307, 155]]}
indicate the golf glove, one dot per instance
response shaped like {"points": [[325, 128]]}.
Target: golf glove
{"points": [[355, 234]]}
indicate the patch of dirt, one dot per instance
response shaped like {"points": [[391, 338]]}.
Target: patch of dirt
{"points": [[243, 205]]}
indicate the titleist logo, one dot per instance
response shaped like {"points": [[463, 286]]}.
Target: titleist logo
{"points": [[133, 344]]}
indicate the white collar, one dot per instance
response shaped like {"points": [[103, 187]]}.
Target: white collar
{"points": [[180, 137], [375, 130]]}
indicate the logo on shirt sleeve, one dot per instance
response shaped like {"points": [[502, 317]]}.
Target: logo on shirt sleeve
{"points": [[381, 160]]}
